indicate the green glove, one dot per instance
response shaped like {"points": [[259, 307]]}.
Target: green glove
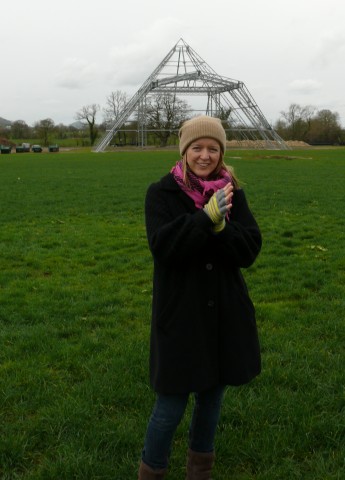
{"points": [[218, 227], [216, 210]]}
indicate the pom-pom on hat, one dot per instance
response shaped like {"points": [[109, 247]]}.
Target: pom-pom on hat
{"points": [[198, 127]]}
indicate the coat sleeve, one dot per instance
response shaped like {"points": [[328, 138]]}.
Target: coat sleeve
{"points": [[240, 242], [174, 235]]}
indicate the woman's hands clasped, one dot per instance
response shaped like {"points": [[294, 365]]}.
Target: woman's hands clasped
{"points": [[219, 205]]}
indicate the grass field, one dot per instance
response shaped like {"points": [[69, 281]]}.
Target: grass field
{"points": [[75, 293]]}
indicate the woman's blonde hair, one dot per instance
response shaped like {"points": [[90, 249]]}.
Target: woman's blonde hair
{"points": [[221, 165]]}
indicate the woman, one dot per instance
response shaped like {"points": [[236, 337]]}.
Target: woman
{"points": [[203, 334]]}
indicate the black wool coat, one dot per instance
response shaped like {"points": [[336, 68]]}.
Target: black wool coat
{"points": [[203, 330]]}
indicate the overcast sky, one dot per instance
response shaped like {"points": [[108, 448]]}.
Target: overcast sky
{"points": [[57, 56]]}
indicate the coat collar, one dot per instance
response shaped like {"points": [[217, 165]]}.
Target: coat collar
{"points": [[169, 183]]}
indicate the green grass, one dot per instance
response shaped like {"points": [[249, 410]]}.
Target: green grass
{"points": [[75, 292]]}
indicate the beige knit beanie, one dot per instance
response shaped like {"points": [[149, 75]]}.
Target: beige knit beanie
{"points": [[198, 127]]}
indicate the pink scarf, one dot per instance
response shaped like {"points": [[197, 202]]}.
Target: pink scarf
{"points": [[200, 190]]}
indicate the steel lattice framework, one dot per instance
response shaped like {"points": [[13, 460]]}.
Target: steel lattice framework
{"points": [[184, 72]]}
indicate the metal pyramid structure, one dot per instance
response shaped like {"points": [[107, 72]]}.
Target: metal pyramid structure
{"points": [[183, 72]]}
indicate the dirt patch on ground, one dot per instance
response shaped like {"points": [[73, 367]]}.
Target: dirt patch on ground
{"points": [[297, 144], [262, 144]]}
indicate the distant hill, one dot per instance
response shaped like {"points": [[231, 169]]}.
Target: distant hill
{"points": [[4, 122], [78, 125]]}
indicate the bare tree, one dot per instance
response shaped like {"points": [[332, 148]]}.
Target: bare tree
{"points": [[116, 103], [297, 120], [165, 113], [20, 129], [326, 128], [88, 114], [44, 129]]}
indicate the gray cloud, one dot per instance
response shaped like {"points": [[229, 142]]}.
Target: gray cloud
{"points": [[76, 73], [331, 48], [304, 86]]}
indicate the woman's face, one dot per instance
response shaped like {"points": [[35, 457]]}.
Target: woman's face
{"points": [[202, 156]]}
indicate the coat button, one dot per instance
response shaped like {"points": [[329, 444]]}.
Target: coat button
{"points": [[210, 303], [209, 266]]}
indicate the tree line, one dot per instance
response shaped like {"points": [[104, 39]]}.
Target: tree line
{"points": [[163, 116], [306, 123]]}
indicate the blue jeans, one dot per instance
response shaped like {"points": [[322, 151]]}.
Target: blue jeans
{"points": [[166, 416]]}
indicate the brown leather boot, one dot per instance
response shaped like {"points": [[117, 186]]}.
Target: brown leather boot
{"points": [[199, 465], [148, 473]]}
